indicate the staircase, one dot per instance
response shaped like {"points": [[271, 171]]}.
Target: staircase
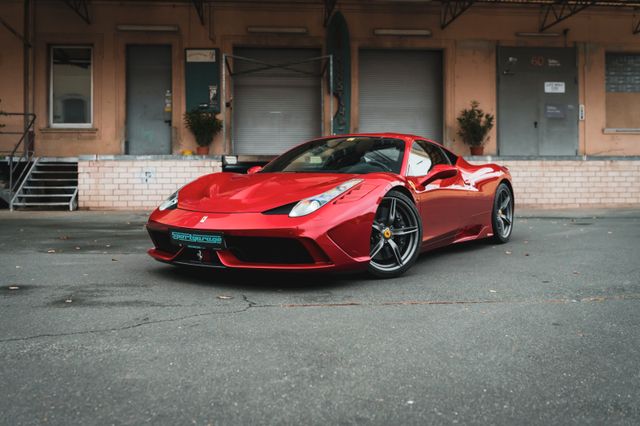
{"points": [[49, 184]]}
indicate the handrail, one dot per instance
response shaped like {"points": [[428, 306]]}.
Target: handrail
{"points": [[26, 139]]}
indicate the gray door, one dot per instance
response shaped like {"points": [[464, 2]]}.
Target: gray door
{"points": [[275, 109], [401, 91], [537, 101], [148, 80]]}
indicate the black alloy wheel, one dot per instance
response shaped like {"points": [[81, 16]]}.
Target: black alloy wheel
{"points": [[502, 216], [396, 236]]}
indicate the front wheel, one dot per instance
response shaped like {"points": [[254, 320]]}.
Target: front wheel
{"points": [[502, 215], [396, 236]]}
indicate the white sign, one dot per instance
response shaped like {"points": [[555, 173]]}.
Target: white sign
{"points": [[201, 55], [554, 87]]}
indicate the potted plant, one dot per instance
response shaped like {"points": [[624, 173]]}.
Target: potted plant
{"points": [[205, 126], [475, 125]]}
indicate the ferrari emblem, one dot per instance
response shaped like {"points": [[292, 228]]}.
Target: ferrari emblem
{"points": [[387, 233], [204, 218]]}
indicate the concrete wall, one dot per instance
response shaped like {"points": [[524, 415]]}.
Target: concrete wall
{"points": [[469, 47]]}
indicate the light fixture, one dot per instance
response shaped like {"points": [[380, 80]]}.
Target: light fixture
{"points": [[277, 30], [149, 28], [402, 32], [531, 34]]}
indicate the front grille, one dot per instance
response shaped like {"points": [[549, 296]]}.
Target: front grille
{"points": [[268, 250], [162, 241]]}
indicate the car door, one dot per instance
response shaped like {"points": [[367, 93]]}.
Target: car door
{"points": [[440, 202]]}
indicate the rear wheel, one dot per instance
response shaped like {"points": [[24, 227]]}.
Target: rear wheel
{"points": [[502, 216], [395, 237]]}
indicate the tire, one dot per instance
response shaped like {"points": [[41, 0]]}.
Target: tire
{"points": [[396, 236], [502, 214]]}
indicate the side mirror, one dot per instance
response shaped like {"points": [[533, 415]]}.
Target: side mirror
{"points": [[440, 171], [254, 169]]}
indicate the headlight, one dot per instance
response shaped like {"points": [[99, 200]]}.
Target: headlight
{"points": [[169, 203], [311, 204]]}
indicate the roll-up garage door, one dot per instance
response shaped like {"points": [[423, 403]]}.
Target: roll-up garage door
{"points": [[276, 108], [401, 91]]}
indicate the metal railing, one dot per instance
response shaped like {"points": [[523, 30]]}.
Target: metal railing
{"points": [[23, 150]]}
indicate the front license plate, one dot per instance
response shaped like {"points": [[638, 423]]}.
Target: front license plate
{"points": [[198, 240]]}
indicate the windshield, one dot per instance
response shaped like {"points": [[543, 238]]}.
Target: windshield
{"points": [[359, 155]]}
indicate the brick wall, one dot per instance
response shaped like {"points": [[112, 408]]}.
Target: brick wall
{"points": [[575, 183], [136, 184], [143, 184]]}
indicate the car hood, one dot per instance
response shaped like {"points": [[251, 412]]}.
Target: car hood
{"points": [[239, 193]]}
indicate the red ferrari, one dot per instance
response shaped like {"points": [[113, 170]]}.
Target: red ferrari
{"points": [[363, 201]]}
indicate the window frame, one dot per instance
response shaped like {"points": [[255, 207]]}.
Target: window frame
{"points": [[53, 125], [607, 127]]}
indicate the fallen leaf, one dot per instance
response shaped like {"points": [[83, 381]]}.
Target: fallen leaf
{"points": [[576, 273], [77, 248], [507, 252], [69, 300], [225, 297], [14, 287], [492, 291], [108, 245], [18, 267], [609, 232], [51, 251]]}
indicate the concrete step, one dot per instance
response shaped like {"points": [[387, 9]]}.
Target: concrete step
{"points": [[49, 187], [26, 204], [45, 195]]}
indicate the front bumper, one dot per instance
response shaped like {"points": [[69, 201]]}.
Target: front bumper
{"points": [[259, 241]]}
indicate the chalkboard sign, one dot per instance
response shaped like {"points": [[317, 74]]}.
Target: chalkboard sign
{"points": [[202, 79]]}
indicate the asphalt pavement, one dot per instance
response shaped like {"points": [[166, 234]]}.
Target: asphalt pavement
{"points": [[543, 330]]}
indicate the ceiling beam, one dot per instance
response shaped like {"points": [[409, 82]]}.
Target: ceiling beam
{"points": [[81, 8], [329, 7], [557, 12], [450, 10], [199, 6]]}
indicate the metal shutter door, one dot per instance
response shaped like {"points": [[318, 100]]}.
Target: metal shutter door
{"points": [[401, 91], [275, 109]]}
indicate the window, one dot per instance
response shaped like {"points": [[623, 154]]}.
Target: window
{"points": [[623, 90], [423, 157], [71, 87]]}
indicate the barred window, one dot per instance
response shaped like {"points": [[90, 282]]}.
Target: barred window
{"points": [[623, 90]]}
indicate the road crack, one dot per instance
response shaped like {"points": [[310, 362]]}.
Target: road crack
{"points": [[126, 327]]}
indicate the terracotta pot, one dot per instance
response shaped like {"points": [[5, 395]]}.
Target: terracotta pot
{"points": [[477, 150], [202, 150]]}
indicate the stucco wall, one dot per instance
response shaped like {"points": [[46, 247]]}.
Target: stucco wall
{"points": [[469, 47]]}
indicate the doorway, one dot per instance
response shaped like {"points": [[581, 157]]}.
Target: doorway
{"points": [[401, 91], [537, 101], [277, 99], [148, 125]]}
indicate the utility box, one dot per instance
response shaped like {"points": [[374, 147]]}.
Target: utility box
{"points": [[202, 79]]}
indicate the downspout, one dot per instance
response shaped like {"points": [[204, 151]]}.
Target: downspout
{"points": [[26, 55]]}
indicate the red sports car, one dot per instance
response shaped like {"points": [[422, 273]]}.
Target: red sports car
{"points": [[363, 201]]}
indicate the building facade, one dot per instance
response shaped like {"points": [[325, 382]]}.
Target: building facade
{"points": [[110, 83]]}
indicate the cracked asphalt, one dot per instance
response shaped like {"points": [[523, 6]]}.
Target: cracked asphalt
{"points": [[543, 330]]}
